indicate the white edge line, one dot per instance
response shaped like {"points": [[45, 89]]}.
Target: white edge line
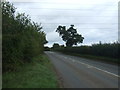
{"points": [[99, 69], [96, 68]]}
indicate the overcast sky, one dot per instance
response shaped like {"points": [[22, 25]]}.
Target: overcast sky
{"points": [[96, 20]]}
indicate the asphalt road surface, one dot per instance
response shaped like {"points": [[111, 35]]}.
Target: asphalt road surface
{"points": [[76, 72]]}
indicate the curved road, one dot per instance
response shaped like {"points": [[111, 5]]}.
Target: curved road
{"points": [[76, 72]]}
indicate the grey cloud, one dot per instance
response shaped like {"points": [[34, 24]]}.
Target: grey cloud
{"points": [[96, 22]]}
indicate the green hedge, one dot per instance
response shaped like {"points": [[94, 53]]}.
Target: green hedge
{"points": [[22, 39], [110, 50]]}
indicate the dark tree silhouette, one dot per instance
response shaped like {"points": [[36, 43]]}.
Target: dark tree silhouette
{"points": [[56, 45], [70, 35]]}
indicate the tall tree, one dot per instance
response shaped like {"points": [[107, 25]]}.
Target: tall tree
{"points": [[70, 35]]}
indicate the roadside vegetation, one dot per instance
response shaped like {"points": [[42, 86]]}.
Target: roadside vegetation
{"points": [[22, 39], [24, 65], [104, 52], [38, 74]]}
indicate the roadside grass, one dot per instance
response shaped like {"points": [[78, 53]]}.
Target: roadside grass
{"points": [[38, 74], [97, 58]]}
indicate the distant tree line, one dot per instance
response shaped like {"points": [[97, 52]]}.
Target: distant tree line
{"points": [[56, 45], [22, 39]]}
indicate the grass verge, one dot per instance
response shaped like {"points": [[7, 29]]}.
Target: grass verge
{"points": [[38, 74]]}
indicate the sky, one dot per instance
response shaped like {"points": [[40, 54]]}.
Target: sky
{"points": [[95, 20]]}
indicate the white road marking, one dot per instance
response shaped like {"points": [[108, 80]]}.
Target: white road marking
{"points": [[73, 60], [90, 66], [51, 52]]}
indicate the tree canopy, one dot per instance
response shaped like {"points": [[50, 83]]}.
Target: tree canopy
{"points": [[70, 35]]}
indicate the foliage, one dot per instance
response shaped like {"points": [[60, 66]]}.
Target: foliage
{"points": [[22, 38], [70, 36], [110, 50]]}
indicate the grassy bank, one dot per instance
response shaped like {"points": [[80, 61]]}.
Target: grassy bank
{"points": [[38, 74]]}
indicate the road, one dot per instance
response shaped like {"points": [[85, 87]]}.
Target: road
{"points": [[76, 72]]}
